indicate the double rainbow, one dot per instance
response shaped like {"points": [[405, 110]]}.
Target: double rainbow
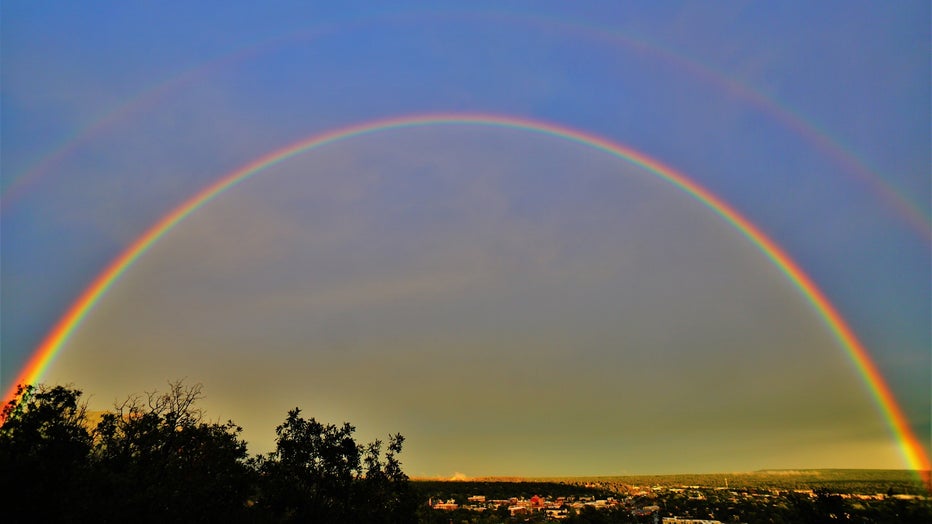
{"points": [[913, 451]]}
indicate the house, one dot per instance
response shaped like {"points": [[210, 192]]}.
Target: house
{"points": [[449, 505]]}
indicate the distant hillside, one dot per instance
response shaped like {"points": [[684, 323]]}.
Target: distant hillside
{"points": [[460, 490], [837, 480]]}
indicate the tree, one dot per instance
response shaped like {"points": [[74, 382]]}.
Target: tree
{"points": [[319, 473], [44, 449], [385, 494], [155, 458], [159, 459]]}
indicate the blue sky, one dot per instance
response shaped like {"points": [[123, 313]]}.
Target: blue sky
{"points": [[467, 287]]}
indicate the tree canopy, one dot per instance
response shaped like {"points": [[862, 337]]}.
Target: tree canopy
{"points": [[155, 457]]}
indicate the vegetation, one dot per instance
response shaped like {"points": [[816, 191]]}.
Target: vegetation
{"points": [[460, 491], [690, 496], [155, 458], [889, 481]]}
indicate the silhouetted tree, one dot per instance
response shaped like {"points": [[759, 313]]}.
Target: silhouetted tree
{"points": [[44, 449], [154, 458], [159, 460], [385, 493], [319, 473]]}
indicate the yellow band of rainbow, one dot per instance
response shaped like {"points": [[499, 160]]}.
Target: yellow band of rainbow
{"points": [[913, 451]]}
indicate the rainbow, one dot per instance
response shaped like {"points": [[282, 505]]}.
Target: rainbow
{"points": [[912, 449], [780, 112], [145, 100]]}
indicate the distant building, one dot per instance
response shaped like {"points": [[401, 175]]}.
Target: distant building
{"points": [[449, 505]]}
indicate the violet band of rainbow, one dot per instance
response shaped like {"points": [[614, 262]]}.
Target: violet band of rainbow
{"points": [[911, 448]]}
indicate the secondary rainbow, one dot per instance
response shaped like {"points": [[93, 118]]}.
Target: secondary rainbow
{"points": [[913, 451], [793, 120]]}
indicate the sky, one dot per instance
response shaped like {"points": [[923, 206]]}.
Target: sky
{"points": [[512, 302]]}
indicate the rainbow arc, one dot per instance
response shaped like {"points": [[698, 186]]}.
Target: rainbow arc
{"points": [[911, 448]]}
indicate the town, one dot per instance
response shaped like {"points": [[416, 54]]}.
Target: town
{"points": [[555, 508], [666, 504]]}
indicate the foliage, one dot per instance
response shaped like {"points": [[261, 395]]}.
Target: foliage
{"points": [[460, 491], [319, 473], [158, 457], [736, 504], [836, 480], [44, 447], [155, 458]]}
